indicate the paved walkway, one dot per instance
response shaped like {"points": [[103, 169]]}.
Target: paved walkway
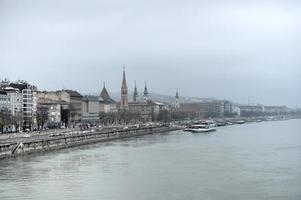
{"points": [[6, 137]]}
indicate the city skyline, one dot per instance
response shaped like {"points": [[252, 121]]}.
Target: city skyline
{"points": [[234, 50], [167, 98]]}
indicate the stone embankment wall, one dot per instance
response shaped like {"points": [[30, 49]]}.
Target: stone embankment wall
{"points": [[59, 142]]}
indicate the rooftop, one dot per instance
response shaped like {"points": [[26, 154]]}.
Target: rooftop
{"points": [[73, 93], [20, 86], [105, 96]]}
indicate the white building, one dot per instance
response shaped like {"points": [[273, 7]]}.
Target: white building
{"points": [[4, 101], [24, 93], [15, 100]]}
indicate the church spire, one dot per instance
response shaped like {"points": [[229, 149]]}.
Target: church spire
{"points": [[145, 93], [124, 92], [145, 90], [177, 100], [124, 78], [135, 93]]}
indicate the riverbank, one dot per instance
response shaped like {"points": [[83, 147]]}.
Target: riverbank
{"points": [[29, 145]]}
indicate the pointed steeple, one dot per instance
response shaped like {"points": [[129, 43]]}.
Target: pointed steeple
{"points": [[124, 93], [177, 101], [145, 93], [177, 94], [124, 78], [135, 93], [105, 95], [145, 90]]}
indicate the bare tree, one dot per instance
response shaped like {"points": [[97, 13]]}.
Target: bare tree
{"points": [[22, 82], [4, 83], [5, 119], [17, 120], [42, 116]]}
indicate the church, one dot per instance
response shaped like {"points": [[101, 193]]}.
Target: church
{"points": [[140, 109], [99, 108]]}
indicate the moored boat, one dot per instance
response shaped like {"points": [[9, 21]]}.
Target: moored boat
{"points": [[203, 126], [221, 123], [240, 122]]}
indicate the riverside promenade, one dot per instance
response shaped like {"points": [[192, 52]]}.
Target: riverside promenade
{"points": [[25, 143]]}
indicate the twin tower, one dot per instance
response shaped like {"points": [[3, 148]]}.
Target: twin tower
{"points": [[124, 104]]}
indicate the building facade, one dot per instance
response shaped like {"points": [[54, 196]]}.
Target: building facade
{"points": [[16, 100], [75, 105], [90, 109], [73, 98], [26, 94], [52, 114], [207, 109], [276, 110], [60, 95], [141, 111], [5, 101], [251, 110]]}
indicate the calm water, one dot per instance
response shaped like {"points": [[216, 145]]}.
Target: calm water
{"points": [[250, 161]]}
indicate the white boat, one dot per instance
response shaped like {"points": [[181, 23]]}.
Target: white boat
{"points": [[204, 126], [188, 129], [240, 122]]}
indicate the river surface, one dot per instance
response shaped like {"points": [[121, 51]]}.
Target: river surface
{"points": [[249, 161]]}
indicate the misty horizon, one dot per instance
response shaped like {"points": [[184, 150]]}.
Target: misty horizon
{"points": [[235, 50]]}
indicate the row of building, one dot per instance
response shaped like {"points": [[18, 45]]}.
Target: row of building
{"points": [[35, 109], [225, 108], [211, 108], [28, 108]]}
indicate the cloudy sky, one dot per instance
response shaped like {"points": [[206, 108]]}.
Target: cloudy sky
{"points": [[228, 49]]}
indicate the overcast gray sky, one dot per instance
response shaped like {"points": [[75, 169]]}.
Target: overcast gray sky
{"points": [[229, 49]]}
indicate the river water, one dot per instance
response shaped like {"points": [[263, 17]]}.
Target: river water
{"points": [[249, 161]]}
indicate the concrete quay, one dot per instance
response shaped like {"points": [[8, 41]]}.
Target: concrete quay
{"points": [[11, 148]]}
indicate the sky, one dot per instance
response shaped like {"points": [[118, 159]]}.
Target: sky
{"points": [[225, 49]]}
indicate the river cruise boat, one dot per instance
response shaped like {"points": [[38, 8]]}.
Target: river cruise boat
{"points": [[203, 126]]}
